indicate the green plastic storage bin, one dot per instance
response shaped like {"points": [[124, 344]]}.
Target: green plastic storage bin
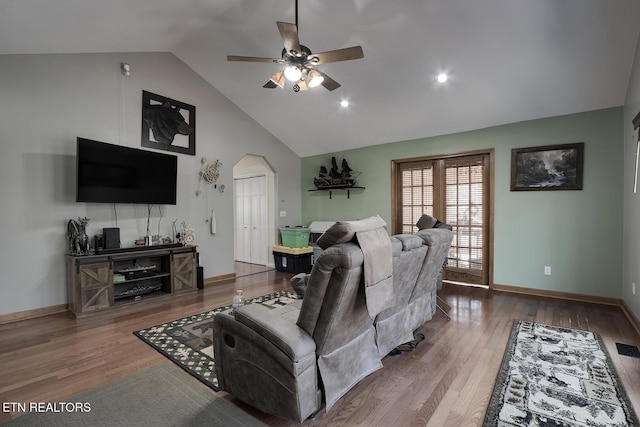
{"points": [[295, 237]]}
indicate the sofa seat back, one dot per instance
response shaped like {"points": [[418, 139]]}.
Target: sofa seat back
{"points": [[422, 303], [334, 313], [392, 326]]}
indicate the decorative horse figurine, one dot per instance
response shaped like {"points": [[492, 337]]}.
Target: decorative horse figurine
{"points": [[77, 235]]}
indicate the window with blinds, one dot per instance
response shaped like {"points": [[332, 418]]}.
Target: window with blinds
{"points": [[417, 193], [464, 211], [455, 190]]}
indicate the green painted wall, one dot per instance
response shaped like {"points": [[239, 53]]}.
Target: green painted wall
{"points": [[577, 233], [631, 227]]}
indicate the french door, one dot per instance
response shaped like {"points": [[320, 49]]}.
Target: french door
{"points": [[455, 189]]}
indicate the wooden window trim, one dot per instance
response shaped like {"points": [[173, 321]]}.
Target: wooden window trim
{"points": [[396, 187]]}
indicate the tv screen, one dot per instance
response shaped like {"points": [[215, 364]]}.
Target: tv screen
{"points": [[108, 173]]}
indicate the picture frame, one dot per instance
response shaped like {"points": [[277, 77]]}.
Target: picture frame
{"points": [[636, 125], [168, 124], [547, 168]]}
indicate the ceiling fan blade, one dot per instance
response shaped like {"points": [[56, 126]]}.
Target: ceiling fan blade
{"points": [[346, 54], [252, 59], [270, 85], [289, 34], [328, 83], [278, 79]]}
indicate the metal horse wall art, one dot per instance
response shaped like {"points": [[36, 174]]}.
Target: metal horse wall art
{"points": [[163, 121], [78, 238]]}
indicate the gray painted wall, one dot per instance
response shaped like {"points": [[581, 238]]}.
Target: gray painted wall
{"points": [[577, 233], [49, 100]]}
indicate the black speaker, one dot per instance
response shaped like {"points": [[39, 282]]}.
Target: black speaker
{"points": [[111, 238], [200, 281], [97, 241]]}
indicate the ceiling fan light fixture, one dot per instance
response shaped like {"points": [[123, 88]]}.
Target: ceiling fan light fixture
{"points": [[299, 62], [278, 78], [315, 78], [301, 85], [292, 73]]}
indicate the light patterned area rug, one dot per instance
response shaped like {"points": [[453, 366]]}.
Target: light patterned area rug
{"points": [[553, 376], [188, 342]]}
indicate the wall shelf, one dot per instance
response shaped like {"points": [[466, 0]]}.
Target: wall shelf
{"points": [[330, 189]]}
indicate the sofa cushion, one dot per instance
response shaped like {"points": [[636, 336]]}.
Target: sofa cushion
{"points": [[280, 330], [344, 231], [409, 241], [396, 246], [299, 283], [426, 221]]}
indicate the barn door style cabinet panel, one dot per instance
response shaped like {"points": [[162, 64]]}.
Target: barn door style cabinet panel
{"points": [[101, 282], [183, 267]]}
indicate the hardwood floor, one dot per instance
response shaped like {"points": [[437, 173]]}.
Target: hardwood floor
{"points": [[247, 269], [446, 381]]}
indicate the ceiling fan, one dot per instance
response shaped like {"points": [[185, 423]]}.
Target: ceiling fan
{"points": [[300, 63]]}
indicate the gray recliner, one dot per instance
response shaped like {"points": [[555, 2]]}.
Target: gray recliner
{"points": [[438, 240], [416, 275], [289, 361], [366, 294], [427, 222], [393, 324]]}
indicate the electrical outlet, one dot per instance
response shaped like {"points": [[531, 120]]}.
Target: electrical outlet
{"points": [[547, 270], [283, 213]]}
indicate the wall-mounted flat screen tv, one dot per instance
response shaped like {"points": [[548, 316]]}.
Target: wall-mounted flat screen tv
{"points": [[108, 173]]}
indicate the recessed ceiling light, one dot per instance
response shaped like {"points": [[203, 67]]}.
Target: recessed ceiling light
{"points": [[344, 103], [442, 77]]}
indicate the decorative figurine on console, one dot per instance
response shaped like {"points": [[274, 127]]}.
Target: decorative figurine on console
{"points": [[187, 237], [77, 235]]}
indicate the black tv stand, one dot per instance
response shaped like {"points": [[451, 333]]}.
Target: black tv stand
{"points": [[101, 251]]}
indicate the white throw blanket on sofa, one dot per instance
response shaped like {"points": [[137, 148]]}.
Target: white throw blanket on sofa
{"points": [[372, 237]]}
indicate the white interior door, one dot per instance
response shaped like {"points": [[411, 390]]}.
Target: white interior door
{"points": [[251, 220], [258, 220], [242, 222]]}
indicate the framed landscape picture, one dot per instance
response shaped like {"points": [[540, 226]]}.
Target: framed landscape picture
{"points": [[550, 167]]}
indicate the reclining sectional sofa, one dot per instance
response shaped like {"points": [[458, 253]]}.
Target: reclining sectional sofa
{"points": [[367, 294]]}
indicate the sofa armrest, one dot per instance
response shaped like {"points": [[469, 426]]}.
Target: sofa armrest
{"points": [[288, 337], [266, 361]]}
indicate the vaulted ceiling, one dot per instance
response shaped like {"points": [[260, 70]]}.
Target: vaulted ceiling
{"points": [[507, 60]]}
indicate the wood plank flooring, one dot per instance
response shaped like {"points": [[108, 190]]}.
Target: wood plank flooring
{"points": [[446, 381], [247, 269]]}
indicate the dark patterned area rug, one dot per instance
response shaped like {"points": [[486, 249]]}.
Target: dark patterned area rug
{"points": [[553, 376], [188, 342]]}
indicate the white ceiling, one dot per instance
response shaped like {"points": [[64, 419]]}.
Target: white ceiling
{"points": [[508, 60]]}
